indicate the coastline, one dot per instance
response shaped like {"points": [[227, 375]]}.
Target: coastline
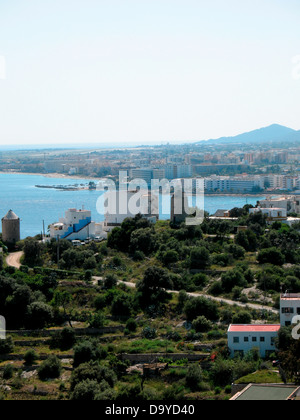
{"points": [[51, 175], [82, 177]]}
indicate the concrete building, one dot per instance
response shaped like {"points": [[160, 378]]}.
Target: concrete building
{"points": [[76, 225], [236, 184], [243, 338], [10, 228], [290, 203], [289, 308], [273, 214]]}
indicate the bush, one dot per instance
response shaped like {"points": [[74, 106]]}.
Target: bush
{"points": [[85, 391], [199, 258], [201, 306], [93, 371], [271, 256], [97, 320], [30, 357], [149, 333], [63, 340], [201, 324], [8, 372], [6, 346], [87, 351], [233, 278], [194, 377], [39, 315], [110, 281], [242, 317], [50, 368], [131, 325]]}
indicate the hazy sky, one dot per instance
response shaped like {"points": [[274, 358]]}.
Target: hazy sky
{"points": [[141, 71]]}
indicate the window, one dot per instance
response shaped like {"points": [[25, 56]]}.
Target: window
{"points": [[298, 311], [287, 310], [236, 340], [246, 339], [254, 339], [262, 339]]}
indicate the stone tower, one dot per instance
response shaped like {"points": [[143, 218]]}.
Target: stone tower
{"points": [[10, 228]]}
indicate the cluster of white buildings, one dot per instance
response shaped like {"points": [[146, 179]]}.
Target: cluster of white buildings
{"points": [[116, 206], [278, 209], [250, 183], [243, 338]]}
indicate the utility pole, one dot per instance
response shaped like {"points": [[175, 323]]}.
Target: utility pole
{"points": [[58, 244]]}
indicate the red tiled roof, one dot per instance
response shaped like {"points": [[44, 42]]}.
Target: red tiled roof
{"points": [[254, 328]]}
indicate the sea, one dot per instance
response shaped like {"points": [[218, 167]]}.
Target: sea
{"points": [[36, 206]]}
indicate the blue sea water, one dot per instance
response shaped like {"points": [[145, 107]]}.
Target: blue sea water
{"points": [[33, 205]]}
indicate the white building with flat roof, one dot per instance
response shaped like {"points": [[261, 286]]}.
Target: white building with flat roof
{"points": [[289, 308], [243, 338], [273, 214], [76, 225]]}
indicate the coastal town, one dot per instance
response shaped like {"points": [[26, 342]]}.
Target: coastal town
{"points": [[239, 168], [149, 203], [213, 306]]}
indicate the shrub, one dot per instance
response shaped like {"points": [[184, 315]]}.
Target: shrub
{"points": [[271, 256], [50, 368], [93, 371], [30, 357], [63, 340], [201, 306], [39, 315], [233, 278], [194, 377], [8, 372], [149, 333], [201, 324], [87, 351], [242, 317], [199, 258], [6, 346], [85, 391], [131, 325]]}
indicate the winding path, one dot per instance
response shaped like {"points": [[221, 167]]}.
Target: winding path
{"points": [[217, 299], [14, 259]]}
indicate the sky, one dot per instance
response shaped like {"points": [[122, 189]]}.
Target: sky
{"points": [[146, 71]]}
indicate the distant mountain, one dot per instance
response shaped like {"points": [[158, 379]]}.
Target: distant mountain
{"points": [[273, 134]]}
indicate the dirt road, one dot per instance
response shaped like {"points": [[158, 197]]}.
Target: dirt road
{"points": [[217, 299], [14, 259]]}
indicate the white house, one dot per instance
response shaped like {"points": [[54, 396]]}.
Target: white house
{"points": [[273, 214], [289, 308], [76, 225], [243, 338]]}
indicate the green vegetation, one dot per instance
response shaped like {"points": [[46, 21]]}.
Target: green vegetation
{"points": [[150, 289]]}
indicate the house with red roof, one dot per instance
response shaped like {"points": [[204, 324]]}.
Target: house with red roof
{"points": [[243, 338]]}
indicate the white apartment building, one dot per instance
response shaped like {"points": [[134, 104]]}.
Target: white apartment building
{"points": [[236, 184]]}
